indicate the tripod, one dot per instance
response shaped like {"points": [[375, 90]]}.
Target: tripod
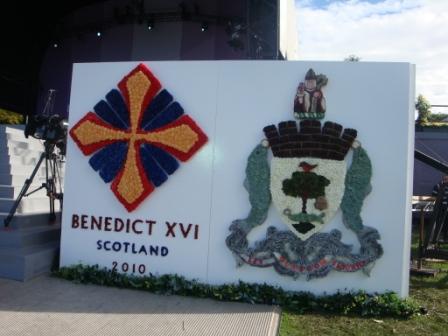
{"points": [[52, 176]]}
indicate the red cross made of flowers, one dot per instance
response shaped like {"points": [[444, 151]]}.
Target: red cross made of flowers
{"points": [[136, 136]]}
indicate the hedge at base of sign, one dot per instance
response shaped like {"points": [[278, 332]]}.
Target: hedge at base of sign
{"points": [[349, 303]]}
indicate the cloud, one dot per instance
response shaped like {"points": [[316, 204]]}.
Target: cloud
{"points": [[414, 31]]}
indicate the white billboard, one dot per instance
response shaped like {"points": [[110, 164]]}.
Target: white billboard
{"points": [[157, 160]]}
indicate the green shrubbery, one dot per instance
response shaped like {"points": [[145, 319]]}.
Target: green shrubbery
{"points": [[437, 118], [10, 118], [426, 118], [360, 303], [424, 110]]}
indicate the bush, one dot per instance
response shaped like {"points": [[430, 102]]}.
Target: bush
{"points": [[10, 118], [437, 118], [358, 303]]}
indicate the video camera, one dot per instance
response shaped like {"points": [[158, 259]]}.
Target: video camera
{"points": [[52, 129]]}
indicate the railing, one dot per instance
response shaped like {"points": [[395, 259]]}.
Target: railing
{"points": [[429, 246], [430, 161]]}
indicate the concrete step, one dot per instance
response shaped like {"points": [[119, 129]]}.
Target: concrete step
{"points": [[23, 169], [16, 169], [22, 152], [13, 192], [13, 129], [8, 131], [5, 137], [22, 143], [30, 236], [28, 160], [28, 205], [25, 160], [19, 180], [26, 263], [23, 221], [25, 172]]}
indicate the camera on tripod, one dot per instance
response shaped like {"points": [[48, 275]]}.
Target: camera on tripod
{"points": [[52, 129]]}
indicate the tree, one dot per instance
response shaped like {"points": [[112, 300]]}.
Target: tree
{"points": [[305, 185], [352, 58], [424, 109]]}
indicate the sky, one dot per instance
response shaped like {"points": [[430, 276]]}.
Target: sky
{"points": [[414, 31]]}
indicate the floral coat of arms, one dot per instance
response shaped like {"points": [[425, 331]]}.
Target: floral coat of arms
{"points": [[308, 180]]}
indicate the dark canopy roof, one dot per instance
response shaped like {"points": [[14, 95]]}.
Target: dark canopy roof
{"points": [[24, 34]]}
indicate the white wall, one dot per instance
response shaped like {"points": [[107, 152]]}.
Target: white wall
{"points": [[288, 35], [232, 101]]}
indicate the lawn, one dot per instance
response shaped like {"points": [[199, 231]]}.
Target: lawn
{"points": [[430, 292]]}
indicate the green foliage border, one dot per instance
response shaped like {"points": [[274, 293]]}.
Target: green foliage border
{"points": [[351, 303]]}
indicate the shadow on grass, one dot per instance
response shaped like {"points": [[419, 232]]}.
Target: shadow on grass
{"points": [[438, 282], [335, 315]]}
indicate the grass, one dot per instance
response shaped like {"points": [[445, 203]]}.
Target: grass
{"points": [[429, 292]]}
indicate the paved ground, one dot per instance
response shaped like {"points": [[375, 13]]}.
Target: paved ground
{"points": [[48, 306]]}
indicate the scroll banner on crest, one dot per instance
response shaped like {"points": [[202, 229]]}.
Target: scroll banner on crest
{"points": [[294, 174]]}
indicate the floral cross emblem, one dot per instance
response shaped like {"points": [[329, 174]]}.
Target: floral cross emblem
{"points": [[137, 135]]}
